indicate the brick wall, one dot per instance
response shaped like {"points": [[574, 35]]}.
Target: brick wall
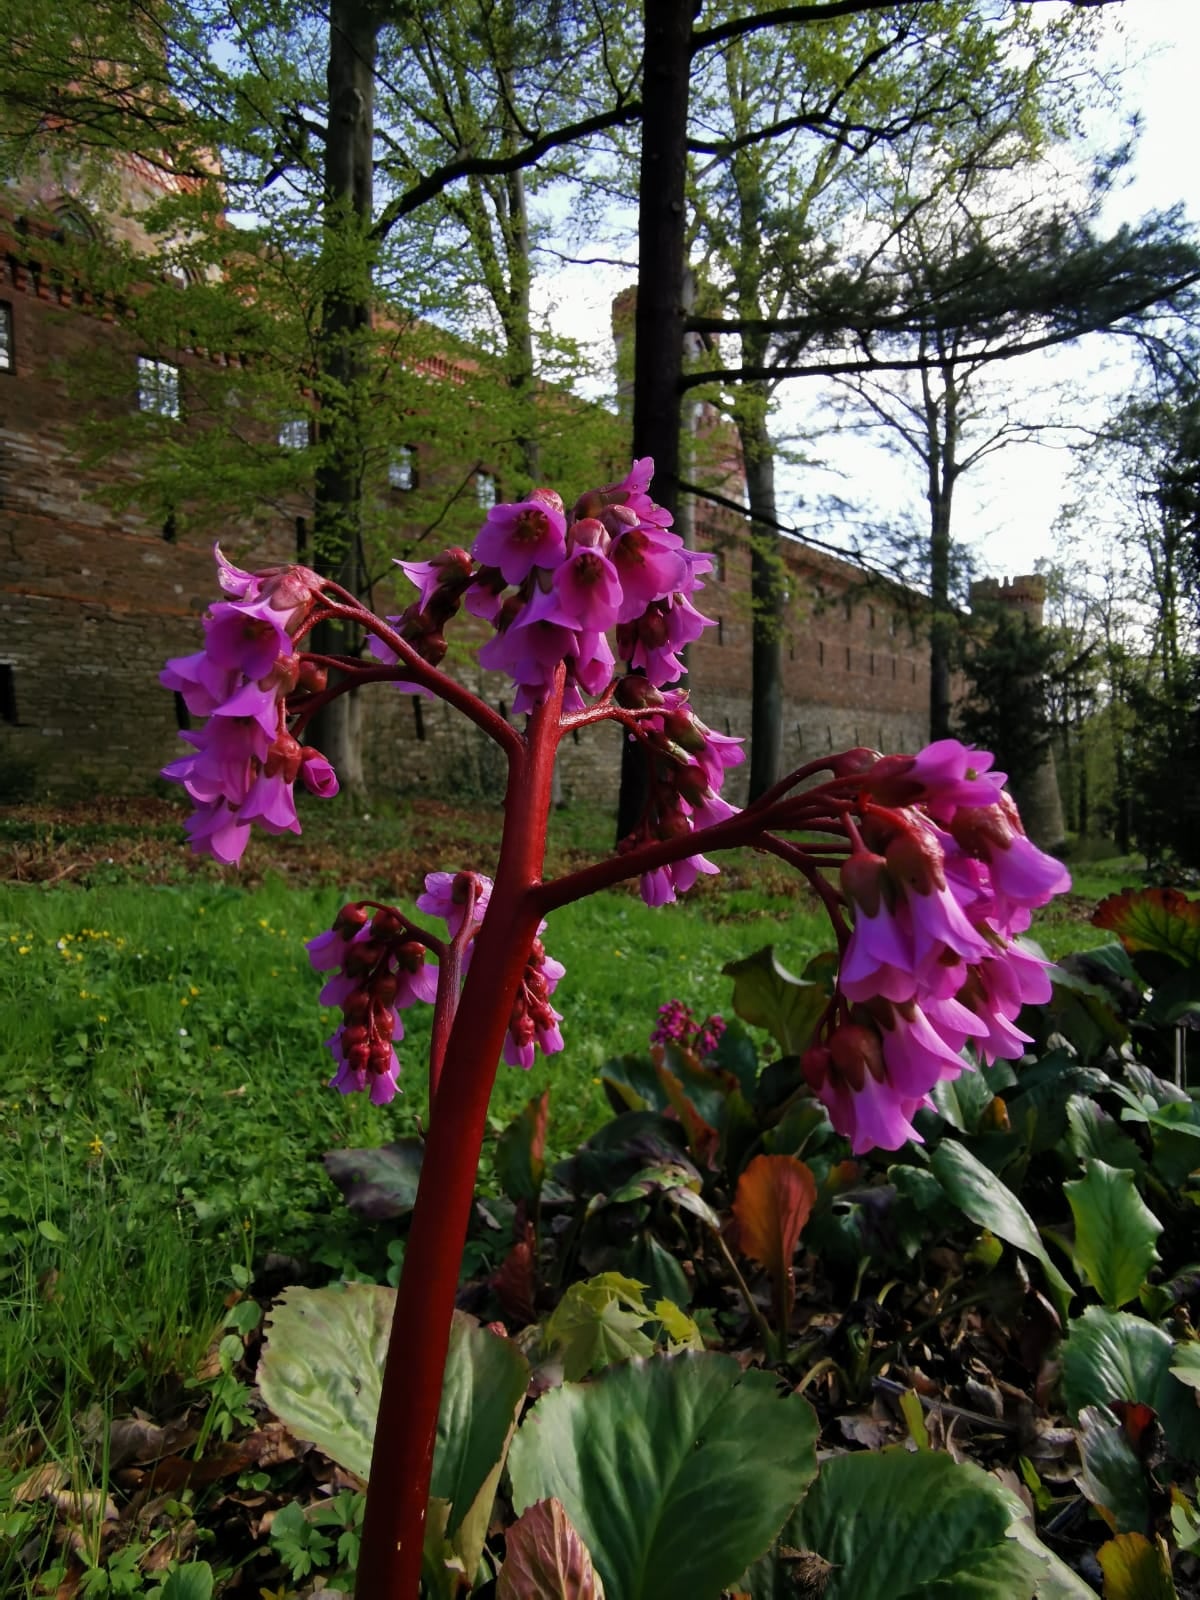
{"points": [[93, 600]]}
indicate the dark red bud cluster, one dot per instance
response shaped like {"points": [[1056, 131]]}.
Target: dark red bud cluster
{"points": [[284, 757], [532, 1011], [857, 762], [368, 1009], [915, 860], [423, 626], [313, 678], [851, 1052]]}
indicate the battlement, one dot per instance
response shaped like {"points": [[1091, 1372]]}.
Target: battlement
{"points": [[1025, 594]]}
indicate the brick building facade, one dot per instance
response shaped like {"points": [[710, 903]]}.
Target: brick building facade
{"points": [[92, 600]]}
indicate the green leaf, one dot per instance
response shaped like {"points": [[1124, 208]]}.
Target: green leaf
{"points": [[1094, 1133], [769, 996], [322, 1367], [191, 1582], [598, 1323], [1185, 1362], [896, 1526], [1115, 1232], [1113, 1355], [1112, 1475], [321, 1374], [50, 1230], [545, 1559], [1135, 1569], [682, 1333], [981, 1195], [677, 1471], [380, 1183], [482, 1392], [521, 1151]]}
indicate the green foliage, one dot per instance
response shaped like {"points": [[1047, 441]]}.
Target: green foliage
{"points": [[1007, 663], [892, 1546], [677, 1471], [1114, 1232]]}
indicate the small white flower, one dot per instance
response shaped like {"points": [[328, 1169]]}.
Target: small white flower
{"points": [[183, 1033]]}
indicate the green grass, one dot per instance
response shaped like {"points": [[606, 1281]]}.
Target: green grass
{"points": [[164, 1108]]}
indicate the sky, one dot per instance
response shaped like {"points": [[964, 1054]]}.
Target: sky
{"points": [[1006, 508]]}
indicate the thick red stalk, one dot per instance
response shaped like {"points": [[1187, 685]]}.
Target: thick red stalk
{"points": [[389, 1566]]}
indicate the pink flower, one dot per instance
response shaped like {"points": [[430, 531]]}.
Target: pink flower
{"points": [[446, 895], [317, 773], [588, 590], [517, 538]]}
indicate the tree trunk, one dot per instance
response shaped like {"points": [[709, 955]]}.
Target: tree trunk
{"points": [[658, 325], [344, 351], [943, 470], [768, 598]]}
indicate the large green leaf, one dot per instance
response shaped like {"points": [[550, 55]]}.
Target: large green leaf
{"points": [[677, 1471], [599, 1322], [768, 995], [191, 1582], [1113, 1355], [1115, 1232], [321, 1373], [380, 1183], [321, 1370], [895, 1526], [1112, 1475], [1095, 1133], [482, 1392], [989, 1202]]}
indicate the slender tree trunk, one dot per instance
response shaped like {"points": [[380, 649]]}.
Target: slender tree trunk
{"points": [[943, 470], [344, 351], [658, 325], [768, 598]]}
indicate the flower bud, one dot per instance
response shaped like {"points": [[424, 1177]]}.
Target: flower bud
{"points": [[387, 923], [865, 881], [313, 677], [360, 958], [379, 1058], [283, 758], [855, 1051], [916, 861], [857, 762], [351, 918], [635, 692], [814, 1064]]}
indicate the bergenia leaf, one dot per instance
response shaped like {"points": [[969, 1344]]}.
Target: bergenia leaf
{"points": [[775, 1196], [1115, 1232], [768, 995], [379, 1184], [1135, 1569], [545, 1559], [677, 1471], [521, 1151], [977, 1191], [1154, 919], [1112, 1477]]}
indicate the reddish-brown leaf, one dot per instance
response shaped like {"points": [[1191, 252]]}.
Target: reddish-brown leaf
{"points": [[775, 1195], [1153, 919], [703, 1139], [515, 1283], [546, 1559]]}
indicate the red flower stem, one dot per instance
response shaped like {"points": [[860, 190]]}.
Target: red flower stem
{"points": [[389, 1564]]}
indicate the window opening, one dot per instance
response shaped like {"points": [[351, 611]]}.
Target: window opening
{"points": [[293, 433], [402, 469], [158, 388], [8, 693], [486, 490], [7, 362]]}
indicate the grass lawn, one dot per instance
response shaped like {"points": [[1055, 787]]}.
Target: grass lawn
{"points": [[164, 1106]]}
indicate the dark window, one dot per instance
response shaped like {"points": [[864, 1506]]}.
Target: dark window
{"points": [[847, 658], [169, 528], [183, 717], [719, 565], [870, 616], [418, 716], [820, 652], [7, 358], [158, 388], [720, 630], [402, 469], [301, 537], [849, 605], [8, 693], [872, 667]]}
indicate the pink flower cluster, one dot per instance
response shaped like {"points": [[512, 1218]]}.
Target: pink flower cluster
{"points": [[941, 882], [678, 1025], [380, 968], [688, 762], [244, 762], [554, 584]]}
